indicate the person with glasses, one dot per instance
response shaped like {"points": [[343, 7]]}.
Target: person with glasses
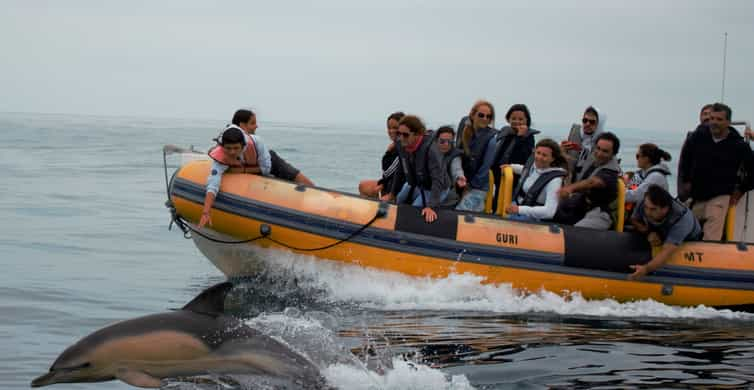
{"points": [[477, 141], [587, 201], [652, 171], [451, 160], [390, 165], [426, 183], [593, 124], [514, 143]]}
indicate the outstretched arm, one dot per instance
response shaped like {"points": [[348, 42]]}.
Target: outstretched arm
{"points": [[658, 261], [213, 185]]}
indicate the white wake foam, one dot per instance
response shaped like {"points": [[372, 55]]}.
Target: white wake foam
{"points": [[403, 375], [385, 290]]}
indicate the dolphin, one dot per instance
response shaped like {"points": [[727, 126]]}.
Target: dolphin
{"points": [[198, 339]]}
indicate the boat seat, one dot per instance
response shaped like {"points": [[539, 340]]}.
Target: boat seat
{"points": [[730, 224], [490, 192], [620, 204], [506, 194]]}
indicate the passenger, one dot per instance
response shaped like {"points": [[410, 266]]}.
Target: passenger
{"points": [[587, 201], [514, 143], [426, 181], [666, 222], [477, 141], [683, 185], [451, 160], [247, 121], [593, 122], [714, 153], [390, 164], [244, 152], [652, 170], [536, 195]]}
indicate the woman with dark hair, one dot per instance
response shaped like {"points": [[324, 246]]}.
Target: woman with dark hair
{"points": [[515, 142], [426, 183], [247, 121], [390, 165], [536, 195], [652, 170], [239, 150], [477, 141], [452, 163]]}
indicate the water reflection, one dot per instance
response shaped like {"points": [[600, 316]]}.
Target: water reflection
{"points": [[563, 352]]}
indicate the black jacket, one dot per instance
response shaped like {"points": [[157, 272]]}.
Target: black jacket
{"points": [[423, 169], [716, 168], [391, 170]]}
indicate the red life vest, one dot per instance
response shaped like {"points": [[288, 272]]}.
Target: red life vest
{"points": [[248, 154]]}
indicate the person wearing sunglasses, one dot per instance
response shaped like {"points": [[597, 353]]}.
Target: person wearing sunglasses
{"points": [[587, 201], [426, 183], [451, 161], [476, 139], [592, 125], [514, 143], [390, 164], [652, 171]]}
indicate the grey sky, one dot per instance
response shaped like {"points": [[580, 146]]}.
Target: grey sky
{"points": [[647, 64]]}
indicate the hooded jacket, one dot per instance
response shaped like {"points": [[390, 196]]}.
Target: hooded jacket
{"points": [[585, 157]]}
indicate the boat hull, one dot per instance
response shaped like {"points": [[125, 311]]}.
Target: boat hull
{"points": [[530, 257]]}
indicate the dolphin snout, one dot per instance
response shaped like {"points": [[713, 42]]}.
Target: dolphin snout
{"points": [[44, 380]]}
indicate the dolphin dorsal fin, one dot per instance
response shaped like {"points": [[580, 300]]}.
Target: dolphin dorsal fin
{"points": [[210, 301]]}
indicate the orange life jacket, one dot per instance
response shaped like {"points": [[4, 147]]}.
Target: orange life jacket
{"points": [[248, 157], [630, 206]]}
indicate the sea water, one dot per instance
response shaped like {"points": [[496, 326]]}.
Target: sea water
{"points": [[84, 242]]}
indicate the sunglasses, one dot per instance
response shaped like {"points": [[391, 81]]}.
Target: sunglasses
{"points": [[404, 134], [638, 156], [442, 141], [587, 120], [483, 116]]}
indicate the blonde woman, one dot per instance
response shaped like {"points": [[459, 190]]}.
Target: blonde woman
{"points": [[476, 138]]}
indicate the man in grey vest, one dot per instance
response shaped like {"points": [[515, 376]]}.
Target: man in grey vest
{"points": [[667, 223], [587, 201]]}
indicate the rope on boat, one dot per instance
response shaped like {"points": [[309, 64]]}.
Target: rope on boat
{"points": [[264, 229]]}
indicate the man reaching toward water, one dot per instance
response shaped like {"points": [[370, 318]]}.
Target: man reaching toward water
{"points": [[667, 223]]}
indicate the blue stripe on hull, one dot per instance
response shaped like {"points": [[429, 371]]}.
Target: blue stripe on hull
{"points": [[450, 250]]}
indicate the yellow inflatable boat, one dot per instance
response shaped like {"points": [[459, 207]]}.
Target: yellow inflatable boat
{"points": [[265, 212]]}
